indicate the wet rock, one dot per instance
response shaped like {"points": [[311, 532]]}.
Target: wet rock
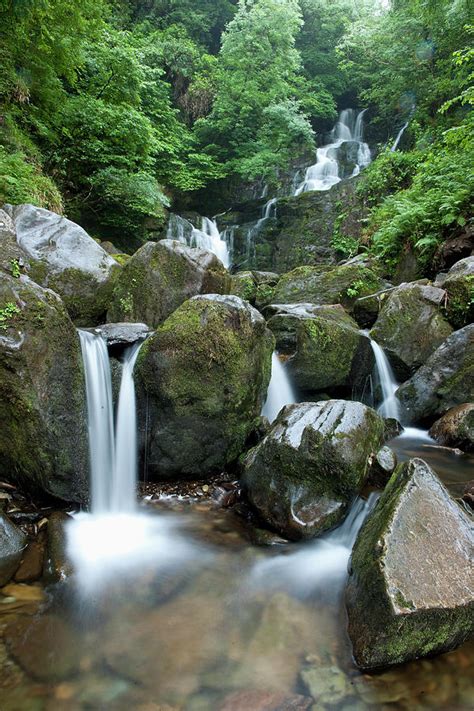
{"points": [[45, 647], [122, 334], [31, 566], [160, 276], [12, 544], [304, 474], [243, 284], [12, 257], [203, 377], [64, 258], [459, 286], [411, 326], [383, 466], [43, 431], [327, 685], [410, 593], [323, 285], [468, 494], [59, 565], [446, 379], [456, 428], [366, 309], [257, 700]]}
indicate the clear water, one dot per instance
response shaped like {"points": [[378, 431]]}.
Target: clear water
{"points": [[280, 390]]}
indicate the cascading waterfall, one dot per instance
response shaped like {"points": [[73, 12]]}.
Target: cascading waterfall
{"points": [[280, 391], [325, 173], [206, 237], [399, 137], [390, 407], [268, 211]]}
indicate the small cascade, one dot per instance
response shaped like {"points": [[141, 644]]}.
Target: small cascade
{"points": [[268, 211], [179, 229], [399, 137], [390, 407], [325, 173], [206, 237], [280, 392]]}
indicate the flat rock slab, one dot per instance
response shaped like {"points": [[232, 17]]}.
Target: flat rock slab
{"points": [[122, 334], [411, 589]]}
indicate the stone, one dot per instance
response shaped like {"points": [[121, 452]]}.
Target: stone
{"points": [[411, 326], [59, 564], [257, 700], [122, 335], [201, 383], [411, 588], [445, 380], [456, 428], [459, 286], [12, 257], [12, 544], [160, 276], [306, 472], [31, 566], [64, 258], [327, 685], [43, 423], [383, 466], [243, 284], [328, 285]]}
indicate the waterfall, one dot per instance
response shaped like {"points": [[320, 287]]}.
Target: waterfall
{"points": [[325, 173], [399, 137], [113, 455], [206, 237], [268, 211], [390, 406], [280, 392]]}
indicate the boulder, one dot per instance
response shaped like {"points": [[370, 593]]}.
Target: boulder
{"points": [[64, 258], [43, 424], [456, 428], [203, 377], [304, 474], [12, 543], [243, 284], [411, 326], [324, 285], [328, 351], [459, 286], [383, 466], [410, 592], [160, 276], [446, 379], [121, 335], [13, 259]]}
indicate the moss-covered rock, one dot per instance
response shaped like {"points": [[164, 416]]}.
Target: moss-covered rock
{"points": [[43, 432], [323, 285], [459, 285], [160, 276], [243, 284], [202, 378], [411, 326], [328, 351], [64, 258], [307, 470], [456, 428], [445, 380], [12, 544], [410, 590]]}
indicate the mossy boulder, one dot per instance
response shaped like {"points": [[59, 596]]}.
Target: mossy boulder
{"points": [[328, 351], [64, 258], [325, 285], [410, 588], [13, 260], [12, 544], [243, 284], [43, 430], [459, 285], [160, 276], [456, 428], [445, 380], [305, 473], [411, 326], [202, 379]]}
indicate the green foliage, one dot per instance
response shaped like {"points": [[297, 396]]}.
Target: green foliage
{"points": [[23, 181], [7, 312], [390, 172], [15, 268]]}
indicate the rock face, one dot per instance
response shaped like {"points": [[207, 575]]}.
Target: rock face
{"points": [[64, 258], [328, 352], [204, 375], [456, 428], [459, 285], [12, 543], [446, 379], [43, 435], [410, 326], [323, 285], [411, 589], [122, 334], [160, 276], [304, 474]]}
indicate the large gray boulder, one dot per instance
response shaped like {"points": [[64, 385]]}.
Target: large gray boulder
{"points": [[459, 286], [411, 325], [446, 379], [411, 587], [328, 351], [201, 381], [456, 428], [304, 474], [64, 258], [160, 276], [12, 544], [43, 426]]}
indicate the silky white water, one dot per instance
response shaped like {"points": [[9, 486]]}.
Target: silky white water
{"points": [[399, 137], [206, 237], [390, 406], [268, 211], [325, 173], [280, 391]]}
